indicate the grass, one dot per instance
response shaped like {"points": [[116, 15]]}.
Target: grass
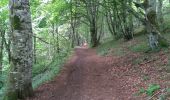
{"points": [[150, 90], [142, 47], [139, 44], [106, 47]]}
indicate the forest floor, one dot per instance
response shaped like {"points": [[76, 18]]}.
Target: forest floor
{"points": [[88, 76]]}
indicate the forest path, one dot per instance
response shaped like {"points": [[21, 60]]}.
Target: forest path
{"points": [[86, 76]]}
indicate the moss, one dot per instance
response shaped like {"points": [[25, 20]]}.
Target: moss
{"points": [[152, 17], [11, 96], [16, 23], [163, 42]]}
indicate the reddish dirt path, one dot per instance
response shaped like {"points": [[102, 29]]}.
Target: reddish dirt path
{"points": [[86, 76]]}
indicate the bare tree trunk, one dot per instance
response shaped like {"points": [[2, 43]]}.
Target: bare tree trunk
{"points": [[35, 55], [137, 21], [93, 32], [127, 21], [1, 49], [73, 25], [101, 31], [58, 44], [20, 75]]}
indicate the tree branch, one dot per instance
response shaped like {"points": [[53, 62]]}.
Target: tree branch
{"points": [[136, 14]]}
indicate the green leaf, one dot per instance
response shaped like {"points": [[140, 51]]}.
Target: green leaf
{"points": [[152, 88]]}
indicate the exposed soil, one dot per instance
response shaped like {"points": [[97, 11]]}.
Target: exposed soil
{"points": [[87, 76]]}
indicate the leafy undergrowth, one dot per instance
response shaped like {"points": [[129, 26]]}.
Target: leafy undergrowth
{"points": [[42, 72], [48, 72], [145, 73]]}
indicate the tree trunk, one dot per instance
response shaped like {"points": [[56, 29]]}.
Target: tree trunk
{"points": [[73, 23], [35, 55], [20, 75], [1, 49], [127, 21], [58, 44], [151, 24], [92, 9], [152, 27], [160, 15], [93, 32]]}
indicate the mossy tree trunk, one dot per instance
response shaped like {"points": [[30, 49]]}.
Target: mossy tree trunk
{"points": [[152, 26], [150, 21], [160, 15], [19, 84]]}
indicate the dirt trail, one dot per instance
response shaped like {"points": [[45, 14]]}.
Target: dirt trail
{"points": [[86, 76]]}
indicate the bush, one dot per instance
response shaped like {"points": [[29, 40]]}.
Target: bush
{"points": [[44, 72]]}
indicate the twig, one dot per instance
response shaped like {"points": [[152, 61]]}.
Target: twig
{"points": [[41, 39]]}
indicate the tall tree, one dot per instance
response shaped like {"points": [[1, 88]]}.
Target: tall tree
{"points": [[20, 82], [127, 26], [2, 35], [150, 21], [73, 22], [1, 51], [160, 14], [92, 9]]}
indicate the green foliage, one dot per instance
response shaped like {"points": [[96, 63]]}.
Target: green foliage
{"points": [[168, 90], [3, 14], [45, 14], [57, 10], [3, 79], [39, 68], [42, 23], [49, 72], [163, 42], [16, 22], [150, 90]]}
